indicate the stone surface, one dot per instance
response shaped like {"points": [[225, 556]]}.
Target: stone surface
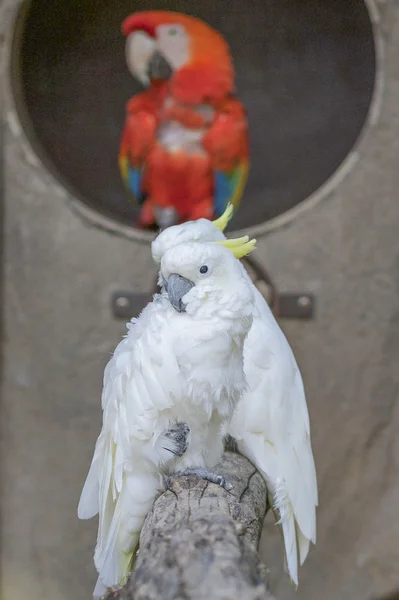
{"points": [[59, 272]]}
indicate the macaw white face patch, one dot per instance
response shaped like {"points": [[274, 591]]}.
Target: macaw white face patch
{"points": [[173, 43]]}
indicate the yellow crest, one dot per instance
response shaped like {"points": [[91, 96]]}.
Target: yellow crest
{"points": [[239, 247], [222, 222]]}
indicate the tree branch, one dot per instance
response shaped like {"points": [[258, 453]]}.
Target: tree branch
{"points": [[199, 542]]}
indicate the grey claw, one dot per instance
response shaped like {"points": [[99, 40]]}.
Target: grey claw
{"points": [[226, 485], [208, 476]]}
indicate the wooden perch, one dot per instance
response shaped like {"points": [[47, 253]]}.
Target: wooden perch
{"points": [[199, 542]]}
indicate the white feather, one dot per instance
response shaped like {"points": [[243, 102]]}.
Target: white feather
{"points": [[271, 422], [169, 367], [274, 411]]}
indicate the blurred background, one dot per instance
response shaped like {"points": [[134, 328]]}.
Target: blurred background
{"points": [[320, 81]]}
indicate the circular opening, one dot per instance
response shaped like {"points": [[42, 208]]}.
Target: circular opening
{"points": [[305, 72]]}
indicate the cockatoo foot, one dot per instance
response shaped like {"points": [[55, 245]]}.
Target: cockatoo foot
{"points": [[207, 475], [178, 435]]}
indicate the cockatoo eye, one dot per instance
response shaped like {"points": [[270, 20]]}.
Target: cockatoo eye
{"points": [[203, 269]]}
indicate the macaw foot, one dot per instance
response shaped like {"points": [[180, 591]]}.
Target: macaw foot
{"points": [[176, 439], [204, 474], [156, 217], [165, 216]]}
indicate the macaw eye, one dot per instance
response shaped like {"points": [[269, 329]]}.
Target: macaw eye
{"points": [[203, 269], [173, 31]]}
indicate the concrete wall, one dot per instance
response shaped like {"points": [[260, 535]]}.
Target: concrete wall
{"points": [[59, 272]]}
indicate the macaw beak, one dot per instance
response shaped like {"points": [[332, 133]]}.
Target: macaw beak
{"points": [[177, 287], [143, 58], [158, 67]]}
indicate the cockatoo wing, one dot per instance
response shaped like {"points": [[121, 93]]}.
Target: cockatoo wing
{"points": [[140, 380], [271, 426]]}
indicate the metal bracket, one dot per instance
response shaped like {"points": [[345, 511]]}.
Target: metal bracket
{"points": [[127, 304], [295, 306], [285, 305]]}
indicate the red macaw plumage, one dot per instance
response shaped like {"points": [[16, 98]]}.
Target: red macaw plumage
{"points": [[184, 148]]}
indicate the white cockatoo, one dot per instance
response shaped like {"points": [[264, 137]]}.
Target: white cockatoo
{"points": [[170, 386], [271, 422]]}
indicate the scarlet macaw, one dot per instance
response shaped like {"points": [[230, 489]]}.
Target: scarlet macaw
{"points": [[184, 148]]}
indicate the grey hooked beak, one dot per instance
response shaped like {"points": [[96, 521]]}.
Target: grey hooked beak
{"points": [[177, 288], [158, 67]]}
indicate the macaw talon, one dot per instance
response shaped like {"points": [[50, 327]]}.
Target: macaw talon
{"points": [[207, 475]]}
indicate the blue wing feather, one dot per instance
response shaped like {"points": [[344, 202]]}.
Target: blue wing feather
{"points": [[228, 187], [135, 183], [222, 192]]}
